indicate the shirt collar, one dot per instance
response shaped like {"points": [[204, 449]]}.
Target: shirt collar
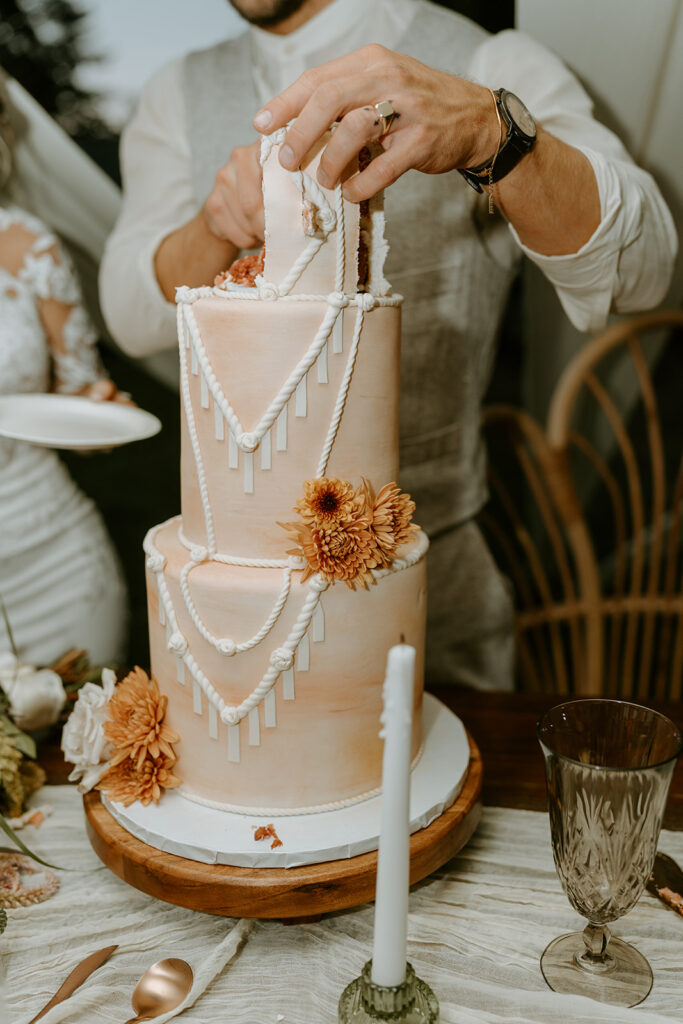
{"points": [[322, 31]]}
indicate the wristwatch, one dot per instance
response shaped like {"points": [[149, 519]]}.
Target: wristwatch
{"points": [[520, 140]]}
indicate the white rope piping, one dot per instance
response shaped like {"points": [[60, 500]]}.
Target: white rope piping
{"points": [[225, 645], [194, 439], [287, 812], [341, 397], [282, 658], [187, 296], [249, 441]]}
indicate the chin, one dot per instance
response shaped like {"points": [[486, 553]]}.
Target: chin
{"points": [[267, 12]]}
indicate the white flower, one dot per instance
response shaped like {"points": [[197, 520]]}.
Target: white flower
{"points": [[36, 695], [83, 741]]}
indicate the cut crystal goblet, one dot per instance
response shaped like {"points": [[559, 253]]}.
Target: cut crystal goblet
{"points": [[608, 769]]}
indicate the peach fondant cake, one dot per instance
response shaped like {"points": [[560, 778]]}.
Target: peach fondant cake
{"points": [[295, 564]]}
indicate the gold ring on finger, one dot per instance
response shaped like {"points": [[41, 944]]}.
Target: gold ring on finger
{"points": [[386, 114]]}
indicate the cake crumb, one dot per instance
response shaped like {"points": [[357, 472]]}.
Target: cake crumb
{"points": [[267, 832]]}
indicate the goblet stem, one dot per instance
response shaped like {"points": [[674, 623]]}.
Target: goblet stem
{"points": [[595, 957]]}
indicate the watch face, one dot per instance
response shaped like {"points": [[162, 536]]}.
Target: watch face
{"points": [[520, 115]]}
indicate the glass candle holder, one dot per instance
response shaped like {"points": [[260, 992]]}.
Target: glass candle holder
{"points": [[363, 1002], [608, 769]]}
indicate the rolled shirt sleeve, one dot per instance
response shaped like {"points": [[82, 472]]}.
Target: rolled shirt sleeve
{"points": [[158, 198], [627, 263]]}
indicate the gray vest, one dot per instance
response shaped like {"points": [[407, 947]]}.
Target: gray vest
{"points": [[454, 264]]}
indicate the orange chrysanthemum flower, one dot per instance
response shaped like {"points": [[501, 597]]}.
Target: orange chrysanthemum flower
{"points": [[345, 533], [392, 513], [130, 780], [329, 503], [136, 727]]}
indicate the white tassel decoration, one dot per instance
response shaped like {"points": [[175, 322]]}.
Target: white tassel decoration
{"points": [[218, 418], [248, 459], [269, 708], [265, 450], [338, 334], [204, 388], [281, 435], [162, 612], [288, 684], [195, 363], [301, 398], [254, 728], [213, 722], [197, 699], [318, 624], [234, 743], [302, 654], [180, 671], [233, 451]]}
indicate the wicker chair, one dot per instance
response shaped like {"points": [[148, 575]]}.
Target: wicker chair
{"points": [[587, 522]]}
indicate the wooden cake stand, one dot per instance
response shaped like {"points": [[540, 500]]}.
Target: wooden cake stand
{"points": [[290, 894]]}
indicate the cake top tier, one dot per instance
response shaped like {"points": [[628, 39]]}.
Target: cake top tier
{"points": [[315, 241]]}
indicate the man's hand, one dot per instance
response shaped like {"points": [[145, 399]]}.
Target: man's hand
{"points": [[442, 121], [231, 219], [234, 210]]}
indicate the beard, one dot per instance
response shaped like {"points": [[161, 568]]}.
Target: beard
{"points": [[266, 13]]}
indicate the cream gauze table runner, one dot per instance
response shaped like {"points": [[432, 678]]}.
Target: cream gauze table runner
{"points": [[477, 929]]}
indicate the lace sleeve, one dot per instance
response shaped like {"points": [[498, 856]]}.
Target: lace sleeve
{"points": [[72, 337]]}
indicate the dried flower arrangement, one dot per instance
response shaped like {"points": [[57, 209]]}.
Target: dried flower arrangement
{"points": [[345, 532], [142, 755]]}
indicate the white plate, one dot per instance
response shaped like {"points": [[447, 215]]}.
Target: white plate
{"points": [[67, 421]]}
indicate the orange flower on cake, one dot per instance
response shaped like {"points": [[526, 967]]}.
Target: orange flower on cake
{"points": [[142, 758], [345, 532], [129, 781], [392, 515]]}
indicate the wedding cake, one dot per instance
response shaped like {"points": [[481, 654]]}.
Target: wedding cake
{"points": [[293, 568]]}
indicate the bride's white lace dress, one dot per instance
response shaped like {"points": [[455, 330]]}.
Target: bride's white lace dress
{"points": [[59, 577]]}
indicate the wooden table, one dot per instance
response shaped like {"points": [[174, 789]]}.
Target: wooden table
{"points": [[504, 727]]}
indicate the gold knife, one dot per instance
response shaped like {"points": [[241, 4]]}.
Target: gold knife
{"points": [[76, 978]]}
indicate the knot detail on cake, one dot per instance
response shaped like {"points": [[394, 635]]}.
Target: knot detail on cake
{"points": [[230, 716], [226, 646], [338, 300], [366, 301], [156, 562], [282, 659], [267, 290], [198, 554], [177, 643], [248, 442], [318, 583], [296, 562], [184, 294]]}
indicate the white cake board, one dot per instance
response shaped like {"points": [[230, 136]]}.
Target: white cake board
{"points": [[179, 826]]}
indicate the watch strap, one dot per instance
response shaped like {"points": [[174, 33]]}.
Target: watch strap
{"points": [[512, 150]]}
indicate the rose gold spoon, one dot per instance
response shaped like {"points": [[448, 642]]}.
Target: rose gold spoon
{"points": [[161, 988]]}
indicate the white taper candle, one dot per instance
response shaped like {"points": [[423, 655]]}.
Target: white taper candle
{"points": [[393, 859]]}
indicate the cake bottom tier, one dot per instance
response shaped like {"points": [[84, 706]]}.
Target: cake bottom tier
{"points": [[275, 686]]}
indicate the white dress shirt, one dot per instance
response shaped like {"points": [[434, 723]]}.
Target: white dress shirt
{"points": [[625, 266]]}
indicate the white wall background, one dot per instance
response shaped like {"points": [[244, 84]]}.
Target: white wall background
{"points": [[136, 37], [629, 56]]}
